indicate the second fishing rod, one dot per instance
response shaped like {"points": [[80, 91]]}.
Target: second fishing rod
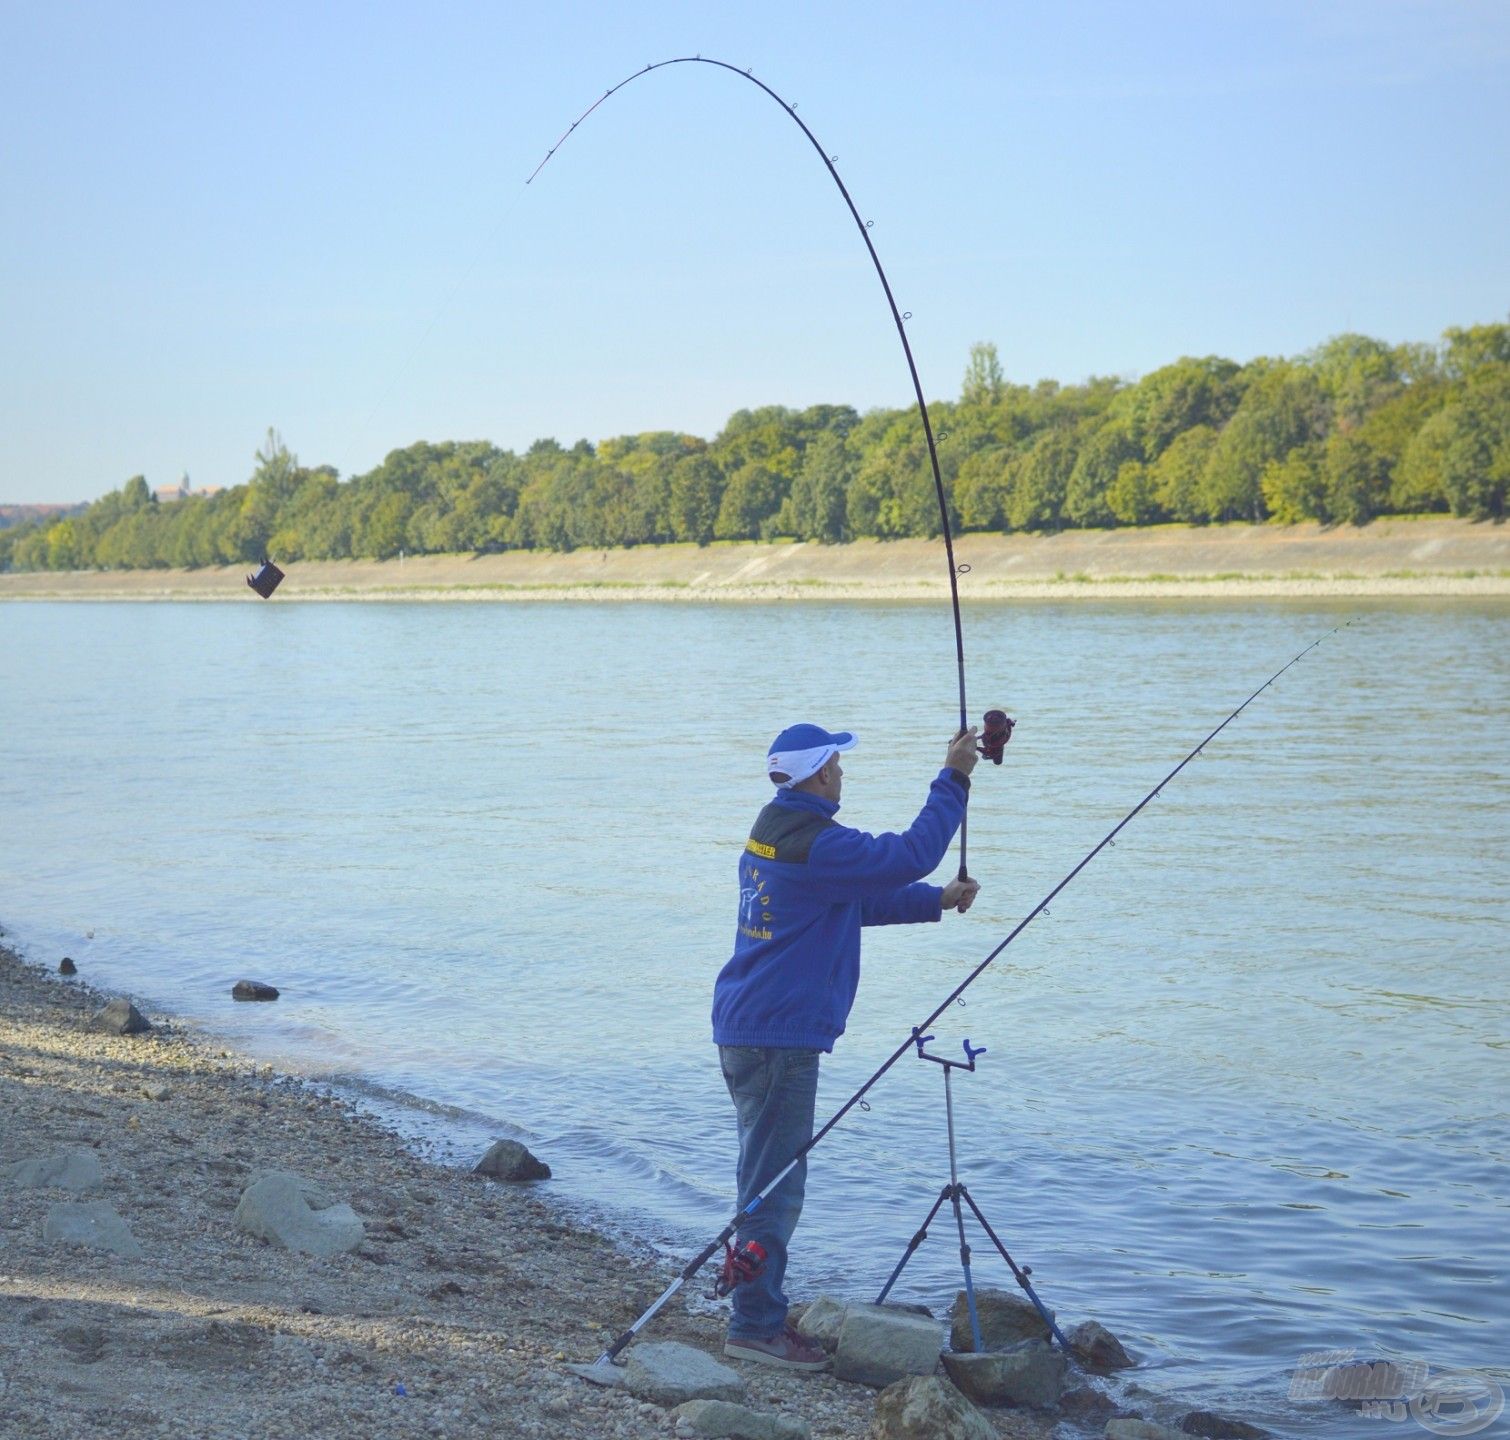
{"points": [[601, 1369]]}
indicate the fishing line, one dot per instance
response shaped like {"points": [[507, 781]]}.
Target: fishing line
{"points": [[600, 1369], [899, 316]]}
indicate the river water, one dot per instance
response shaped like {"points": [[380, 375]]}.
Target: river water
{"points": [[1247, 1089]]}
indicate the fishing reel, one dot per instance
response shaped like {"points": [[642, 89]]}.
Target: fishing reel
{"points": [[740, 1265], [996, 731]]}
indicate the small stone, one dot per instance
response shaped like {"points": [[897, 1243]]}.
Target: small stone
{"points": [[509, 1160], [1029, 1374], [121, 1017], [609, 1375], [94, 1223], [723, 1418], [668, 1373], [289, 1211], [925, 1407], [879, 1345], [67, 967], [1097, 1348], [253, 990], [156, 1091], [76, 1170], [1219, 1427], [1006, 1317], [1125, 1429]]}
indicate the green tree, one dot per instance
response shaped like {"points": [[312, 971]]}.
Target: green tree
{"points": [[1295, 487], [815, 507], [1418, 483], [1357, 479], [1132, 497], [697, 489], [1101, 455], [1476, 455], [136, 494], [751, 497], [982, 487], [1178, 472], [984, 382], [1169, 401], [1466, 350], [1355, 374], [1283, 407], [1039, 479]]}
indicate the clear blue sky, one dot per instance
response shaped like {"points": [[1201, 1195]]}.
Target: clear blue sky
{"points": [[224, 217]]}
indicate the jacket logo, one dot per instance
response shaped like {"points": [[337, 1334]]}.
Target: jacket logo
{"points": [[766, 852], [749, 896]]}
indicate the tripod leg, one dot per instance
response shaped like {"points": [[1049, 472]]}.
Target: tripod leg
{"points": [[922, 1235], [1018, 1273], [955, 1191]]}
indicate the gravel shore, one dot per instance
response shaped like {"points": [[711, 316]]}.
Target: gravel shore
{"points": [[470, 1296]]}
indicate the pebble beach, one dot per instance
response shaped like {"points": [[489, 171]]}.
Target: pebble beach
{"points": [[456, 1316]]}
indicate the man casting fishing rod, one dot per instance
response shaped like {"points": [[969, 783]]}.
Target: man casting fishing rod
{"points": [[806, 886]]}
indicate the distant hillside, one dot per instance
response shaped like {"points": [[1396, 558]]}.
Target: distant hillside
{"points": [[25, 514]]}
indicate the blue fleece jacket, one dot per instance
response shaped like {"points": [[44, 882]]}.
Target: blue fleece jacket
{"points": [[806, 886]]}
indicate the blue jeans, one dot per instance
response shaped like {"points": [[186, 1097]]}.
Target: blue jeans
{"points": [[774, 1093]]}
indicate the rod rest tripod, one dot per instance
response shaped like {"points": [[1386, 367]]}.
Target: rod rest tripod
{"points": [[955, 1192]]}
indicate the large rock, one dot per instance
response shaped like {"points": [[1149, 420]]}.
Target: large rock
{"points": [[1219, 1427], [1140, 1430], [1030, 1374], [253, 990], [76, 1170], [1097, 1348], [879, 1345], [509, 1160], [667, 1373], [1087, 1403], [289, 1211], [925, 1407], [723, 1418], [121, 1017], [822, 1321], [1006, 1317], [94, 1223]]}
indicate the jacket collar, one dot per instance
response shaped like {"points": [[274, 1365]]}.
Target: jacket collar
{"points": [[806, 800]]}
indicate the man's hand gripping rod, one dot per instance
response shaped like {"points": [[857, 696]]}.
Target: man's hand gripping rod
{"points": [[601, 1370]]}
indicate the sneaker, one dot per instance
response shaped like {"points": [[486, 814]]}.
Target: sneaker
{"points": [[786, 1348]]}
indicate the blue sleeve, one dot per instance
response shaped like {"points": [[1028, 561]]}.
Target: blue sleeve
{"points": [[853, 865], [907, 906]]}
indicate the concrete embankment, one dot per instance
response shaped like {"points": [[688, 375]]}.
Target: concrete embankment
{"points": [[1435, 556]]}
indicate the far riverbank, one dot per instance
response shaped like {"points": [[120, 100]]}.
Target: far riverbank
{"points": [[1427, 557]]}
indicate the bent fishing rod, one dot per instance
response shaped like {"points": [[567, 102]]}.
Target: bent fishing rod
{"points": [[997, 730], [599, 1369]]}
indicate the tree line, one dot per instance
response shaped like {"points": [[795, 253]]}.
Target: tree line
{"points": [[1353, 429]]}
